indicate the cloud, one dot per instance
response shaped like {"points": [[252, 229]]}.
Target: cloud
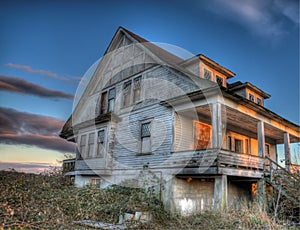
{"points": [[264, 18], [32, 129], [19, 85], [28, 167], [44, 73]]}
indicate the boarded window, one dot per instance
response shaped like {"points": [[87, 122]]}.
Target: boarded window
{"points": [[82, 145], [146, 137], [207, 74], [219, 80], [136, 89], [100, 142], [202, 135], [111, 99], [251, 97], [238, 146], [91, 144], [126, 93], [103, 104]]}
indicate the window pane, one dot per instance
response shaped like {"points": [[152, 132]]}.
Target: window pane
{"points": [[146, 129], [101, 136], [251, 97], [219, 81], [126, 93], [207, 74], [137, 89], [103, 105], [111, 93], [91, 144], [238, 146], [259, 102], [146, 145], [82, 144]]}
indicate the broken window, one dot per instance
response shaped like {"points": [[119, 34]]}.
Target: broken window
{"points": [[251, 97], [111, 99], [238, 146], [126, 93], [259, 101], [136, 89], [103, 104], [219, 80], [207, 74], [146, 137], [82, 144], [91, 144], [100, 141], [202, 135]]}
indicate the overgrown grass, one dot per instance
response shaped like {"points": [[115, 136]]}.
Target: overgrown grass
{"points": [[48, 201]]}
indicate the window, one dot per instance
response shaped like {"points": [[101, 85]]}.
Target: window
{"points": [[207, 74], [82, 144], [111, 99], [95, 181], [126, 93], [246, 146], [229, 143], [251, 97], [238, 146], [202, 135], [219, 80], [259, 101], [136, 89], [267, 150], [103, 105], [100, 141], [91, 144], [146, 137]]}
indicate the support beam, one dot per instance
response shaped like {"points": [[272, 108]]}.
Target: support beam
{"points": [[217, 137], [261, 194], [261, 138], [220, 193], [287, 152]]}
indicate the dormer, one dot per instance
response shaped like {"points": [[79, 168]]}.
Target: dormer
{"points": [[249, 91], [206, 68]]}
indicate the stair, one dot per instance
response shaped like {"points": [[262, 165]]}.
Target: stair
{"points": [[282, 180]]}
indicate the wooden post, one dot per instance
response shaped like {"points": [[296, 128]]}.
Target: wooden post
{"points": [[261, 194], [217, 126], [287, 153], [220, 193], [261, 139]]}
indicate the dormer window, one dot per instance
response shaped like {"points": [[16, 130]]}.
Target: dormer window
{"points": [[251, 97], [219, 80], [259, 101], [207, 74]]}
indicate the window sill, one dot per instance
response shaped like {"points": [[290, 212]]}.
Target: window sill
{"points": [[144, 154]]}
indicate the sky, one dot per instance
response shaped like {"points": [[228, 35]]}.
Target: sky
{"points": [[47, 46]]}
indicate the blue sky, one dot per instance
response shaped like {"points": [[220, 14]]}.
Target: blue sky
{"points": [[47, 46]]}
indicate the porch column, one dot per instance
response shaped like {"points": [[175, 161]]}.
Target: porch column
{"points": [[287, 153], [220, 193], [217, 125], [261, 138]]}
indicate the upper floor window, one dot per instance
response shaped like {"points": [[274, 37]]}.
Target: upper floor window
{"points": [[82, 144], [219, 80], [107, 101], [126, 93], [136, 89], [251, 97], [146, 137], [100, 142], [259, 101], [111, 99], [238, 146], [91, 145], [207, 74]]}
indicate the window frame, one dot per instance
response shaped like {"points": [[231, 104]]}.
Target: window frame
{"points": [[208, 72], [137, 89], [126, 93], [142, 137], [251, 97], [220, 78], [235, 146], [259, 101], [103, 144], [105, 102]]}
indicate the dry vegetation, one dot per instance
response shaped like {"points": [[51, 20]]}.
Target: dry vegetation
{"points": [[48, 201]]}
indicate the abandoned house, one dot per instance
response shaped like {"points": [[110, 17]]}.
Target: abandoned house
{"points": [[208, 143]]}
